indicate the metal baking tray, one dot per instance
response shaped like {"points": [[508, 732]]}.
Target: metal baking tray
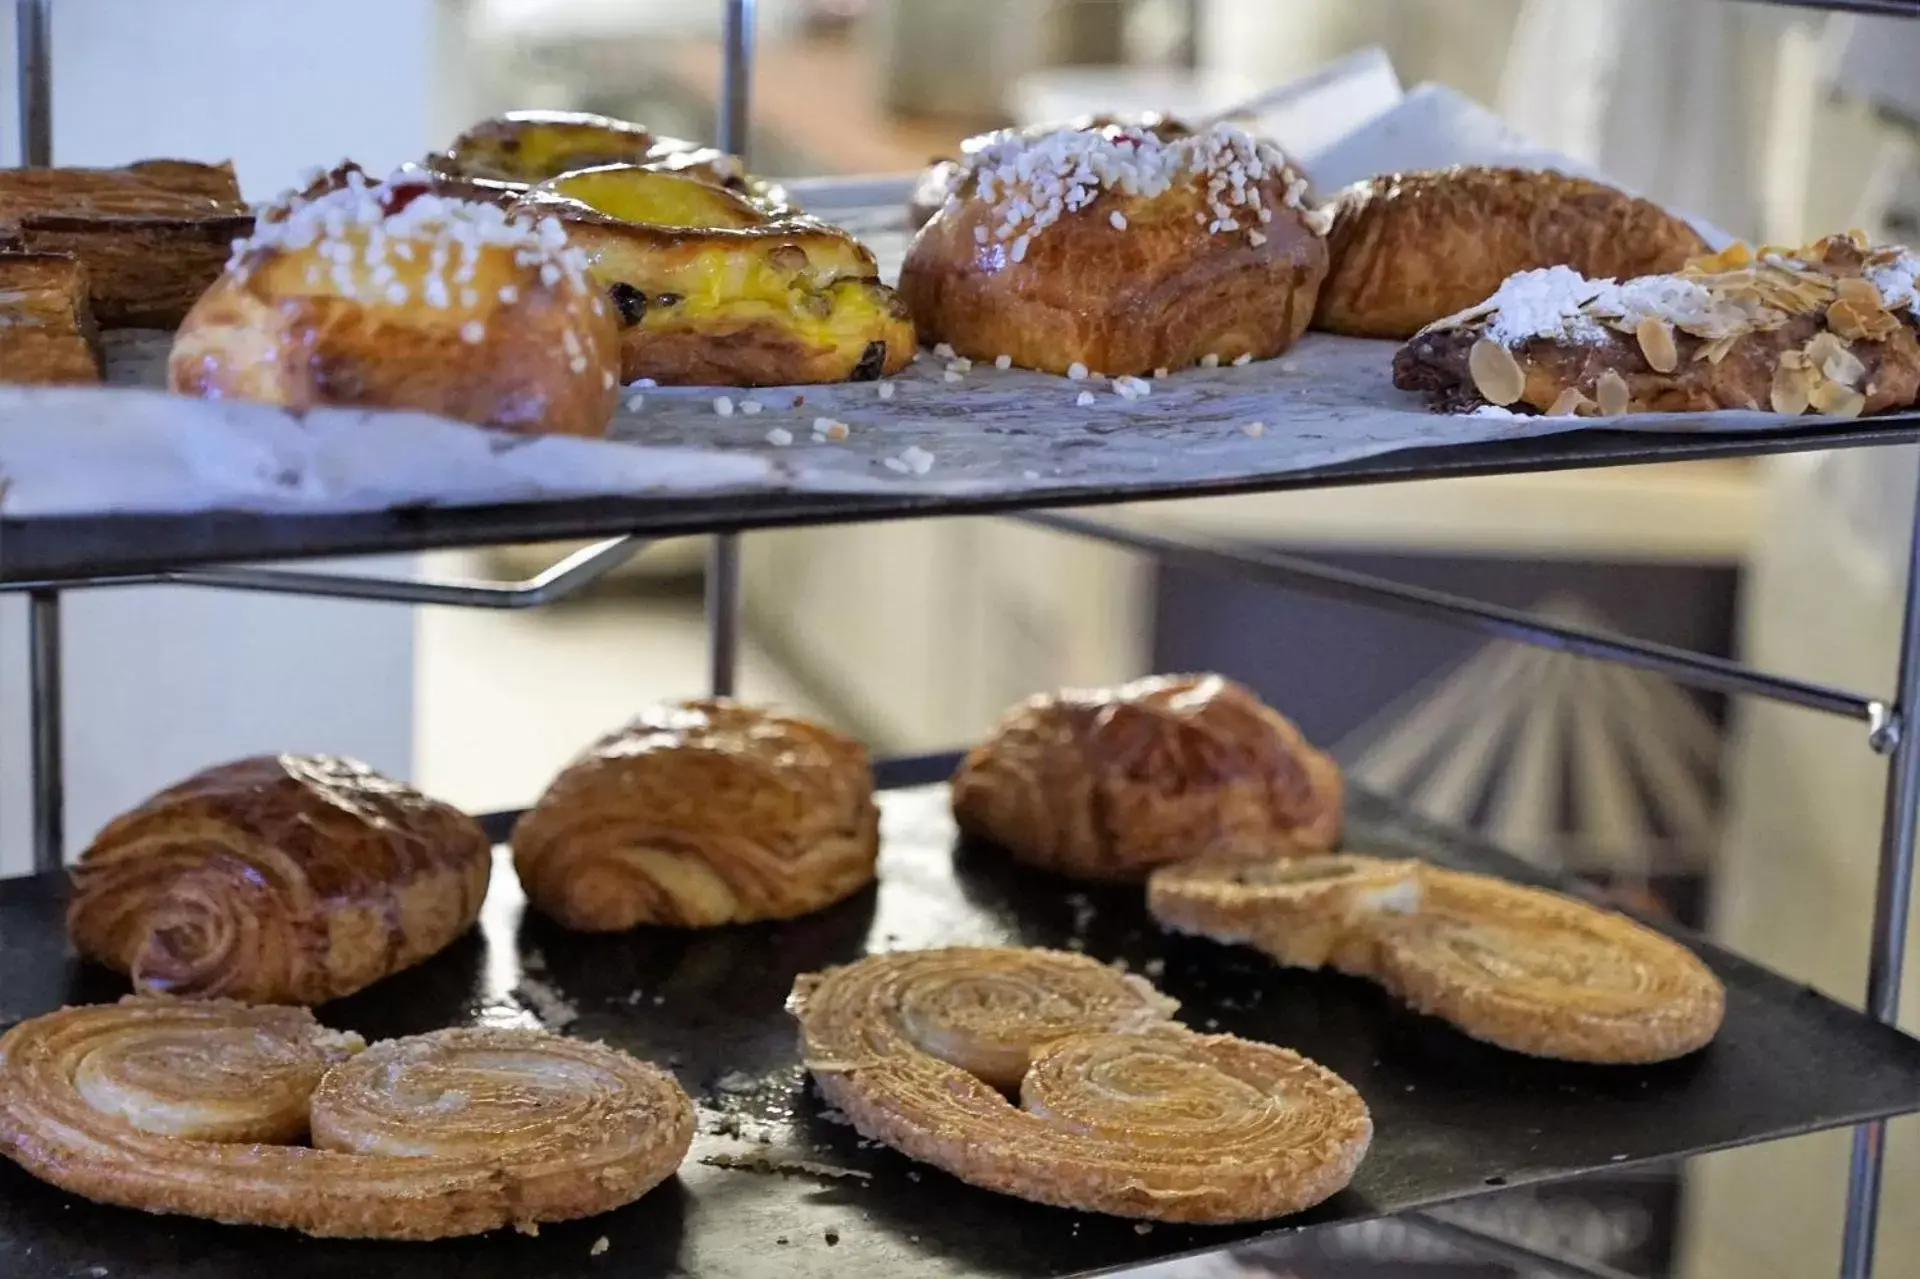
{"points": [[1454, 1118]]}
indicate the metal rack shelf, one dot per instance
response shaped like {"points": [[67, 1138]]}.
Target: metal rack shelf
{"points": [[1789, 1062], [1453, 1118]]}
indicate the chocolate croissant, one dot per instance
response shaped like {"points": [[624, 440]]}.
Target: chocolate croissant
{"points": [[286, 879], [701, 813], [1410, 248], [1109, 783]]}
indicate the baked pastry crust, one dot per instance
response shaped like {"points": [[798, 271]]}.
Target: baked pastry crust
{"points": [[1411, 248], [701, 813], [47, 332], [277, 879], [1122, 248], [1828, 328], [451, 1133], [1550, 976], [1109, 783], [1121, 1110], [511, 152], [1305, 912], [386, 295], [714, 289]]}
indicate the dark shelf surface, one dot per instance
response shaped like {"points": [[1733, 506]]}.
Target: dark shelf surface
{"points": [[1454, 1118], [71, 547]]}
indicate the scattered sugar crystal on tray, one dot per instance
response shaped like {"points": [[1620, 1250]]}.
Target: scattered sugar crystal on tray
{"points": [[780, 437], [751, 407], [723, 405], [886, 390], [1077, 371], [1210, 361], [1243, 359], [1084, 399], [1254, 430], [1003, 362], [944, 351], [918, 460]]}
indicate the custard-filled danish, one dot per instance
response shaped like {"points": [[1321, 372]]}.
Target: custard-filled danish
{"points": [[1829, 328], [278, 879], [1109, 783], [390, 295], [1120, 248], [516, 150], [712, 288], [701, 813]]}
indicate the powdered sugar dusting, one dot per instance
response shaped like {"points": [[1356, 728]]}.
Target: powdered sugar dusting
{"points": [[1547, 303], [1895, 275]]}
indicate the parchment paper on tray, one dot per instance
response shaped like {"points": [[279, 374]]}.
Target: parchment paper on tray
{"points": [[135, 449]]}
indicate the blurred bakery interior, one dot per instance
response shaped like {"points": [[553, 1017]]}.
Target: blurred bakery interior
{"points": [[1757, 822]]}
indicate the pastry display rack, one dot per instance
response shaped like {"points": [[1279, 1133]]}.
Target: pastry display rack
{"points": [[774, 1187]]}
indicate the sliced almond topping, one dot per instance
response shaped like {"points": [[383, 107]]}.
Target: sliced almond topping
{"points": [[1790, 390], [1843, 366], [1821, 346], [1611, 391], [1716, 350], [1655, 336], [1570, 403], [1837, 401], [1855, 289], [1496, 374], [1795, 361]]}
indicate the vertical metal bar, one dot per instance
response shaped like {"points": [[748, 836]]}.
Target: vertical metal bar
{"points": [[723, 560], [1892, 895], [33, 48], [49, 783]]}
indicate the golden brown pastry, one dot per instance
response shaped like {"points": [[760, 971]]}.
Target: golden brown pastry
{"points": [[701, 813], [1547, 975], [1119, 248], [712, 288], [1828, 328], [1120, 1109], [1109, 783], [152, 235], [1305, 912], [172, 1106], [47, 333], [514, 151], [387, 295], [277, 879], [1411, 248]]}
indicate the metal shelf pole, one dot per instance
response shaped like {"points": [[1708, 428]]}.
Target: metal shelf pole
{"points": [[723, 560], [33, 41]]}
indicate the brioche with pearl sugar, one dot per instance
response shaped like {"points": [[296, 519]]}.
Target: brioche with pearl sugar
{"points": [[1109, 783], [1119, 1108], [195, 1108], [1828, 328], [1122, 248], [701, 813], [277, 879], [388, 295]]}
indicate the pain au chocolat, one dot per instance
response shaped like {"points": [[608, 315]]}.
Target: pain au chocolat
{"points": [[1118, 1108], [391, 295], [701, 813], [1121, 248], [1408, 249], [277, 879], [1828, 328], [261, 1116], [1109, 783]]}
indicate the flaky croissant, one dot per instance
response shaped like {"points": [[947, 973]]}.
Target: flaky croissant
{"points": [[1410, 248], [1121, 248], [701, 813], [1109, 783], [278, 879]]}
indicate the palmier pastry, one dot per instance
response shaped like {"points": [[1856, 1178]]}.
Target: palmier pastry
{"points": [[1305, 912], [1412, 248], [1109, 783], [714, 289], [387, 295], [1827, 328], [278, 879], [1121, 248], [47, 332], [1547, 975], [1120, 1109], [177, 1107], [153, 235], [701, 813]]}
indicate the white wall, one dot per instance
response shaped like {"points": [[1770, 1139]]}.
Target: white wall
{"points": [[163, 681]]}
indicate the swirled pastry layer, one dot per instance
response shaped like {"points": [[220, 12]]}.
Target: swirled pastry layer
{"points": [[171, 1106], [1305, 912], [1539, 973], [700, 813], [278, 879], [1109, 783], [1120, 1109]]}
